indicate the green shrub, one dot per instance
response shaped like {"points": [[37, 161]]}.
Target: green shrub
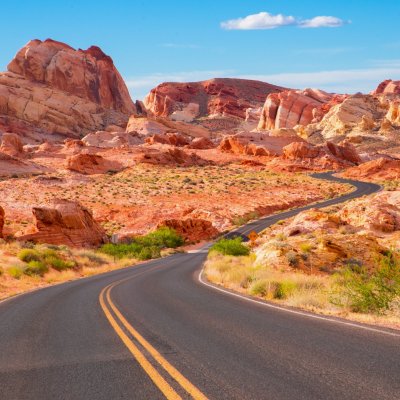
{"points": [[15, 271], [306, 247], [371, 291], [284, 289], [231, 247], [259, 288], [28, 255], [58, 263], [36, 268], [145, 247]]}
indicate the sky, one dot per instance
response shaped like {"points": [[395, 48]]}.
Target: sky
{"points": [[341, 46]]}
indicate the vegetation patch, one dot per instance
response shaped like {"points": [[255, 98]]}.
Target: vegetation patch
{"points": [[230, 247]]}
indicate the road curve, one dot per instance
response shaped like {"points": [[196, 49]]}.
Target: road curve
{"points": [[154, 331]]}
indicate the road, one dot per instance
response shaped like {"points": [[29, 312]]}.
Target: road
{"points": [[155, 331]]}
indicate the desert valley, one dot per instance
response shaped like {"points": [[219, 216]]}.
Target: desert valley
{"points": [[82, 166]]}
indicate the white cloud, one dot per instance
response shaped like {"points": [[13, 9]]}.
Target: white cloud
{"points": [[340, 81], [262, 20], [321, 22], [265, 20]]}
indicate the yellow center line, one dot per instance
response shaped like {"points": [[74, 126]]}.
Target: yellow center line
{"points": [[185, 383], [158, 380]]}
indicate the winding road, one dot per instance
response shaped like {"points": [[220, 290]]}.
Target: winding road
{"points": [[156, 331]]}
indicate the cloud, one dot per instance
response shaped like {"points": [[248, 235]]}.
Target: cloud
{"points": [[321, 22], [340, 81], [265, 20], [262, 20]]}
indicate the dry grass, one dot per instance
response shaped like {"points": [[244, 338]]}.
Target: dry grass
{"points": [[86, 263], [296, 289]]}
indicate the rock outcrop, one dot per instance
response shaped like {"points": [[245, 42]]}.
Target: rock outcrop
{"points": [[380, 168], [173, 139], [1, 221], [68, 223], [105, 139], [90, 164], [51, 88], [216, 97], [387, 87], [192, 229], [11, 144], [294, 107], [257, 143]]}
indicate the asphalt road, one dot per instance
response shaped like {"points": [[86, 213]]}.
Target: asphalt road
{"points": [[158, 332]]}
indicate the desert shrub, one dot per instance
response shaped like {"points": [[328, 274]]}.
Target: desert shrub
{"points": [[15, 271], [306, 247], [58, 263], [292, 258], [145, 247], [28, 255], [231, 247], [36, 268], [283, 289], [371, 292], [259, 288]]}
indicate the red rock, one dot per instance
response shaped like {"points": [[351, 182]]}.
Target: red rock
{"points": [[387, 87], [201, 144], [192, 229], [300, 150], [170, 156], [173, 139], [11, 144], [293, 107], [1, 221], [220, 96], [89, 164], [344, 151], [66, 223], [256, 143], [381, 168], [52, 89]]}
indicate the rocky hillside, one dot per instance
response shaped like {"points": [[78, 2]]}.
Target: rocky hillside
{"points": [[220, 97], [51, 89]]}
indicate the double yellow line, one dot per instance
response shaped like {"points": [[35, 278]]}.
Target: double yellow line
{"points": [[118, 321]]}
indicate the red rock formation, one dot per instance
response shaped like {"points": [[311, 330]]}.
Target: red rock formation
{"points": [[329, 154], [192, 229], [1, 221], [201, 144], [53, 89], [387, 87], [256, 144], [293, 107], [173, 139], [381, 168], [170, 156], [89, 164], [11, 144], [220, 96], [89, 74], [66, 222]]}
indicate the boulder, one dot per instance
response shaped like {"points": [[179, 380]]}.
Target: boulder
{"points": [[66, 223], [105, 139], [173, 139], [90, 164], [201, 143], [11, 144]]}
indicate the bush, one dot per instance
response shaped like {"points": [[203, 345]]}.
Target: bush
{"points": [[145, 247], [231, 247], [28, 255], [58, 263], [306, 247], [371, 291], [36, 268], [292, 258], [15, 271], [284, 289], [259, 288]]}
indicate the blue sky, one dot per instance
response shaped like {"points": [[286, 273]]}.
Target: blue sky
{"points": [[282, 41]]}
